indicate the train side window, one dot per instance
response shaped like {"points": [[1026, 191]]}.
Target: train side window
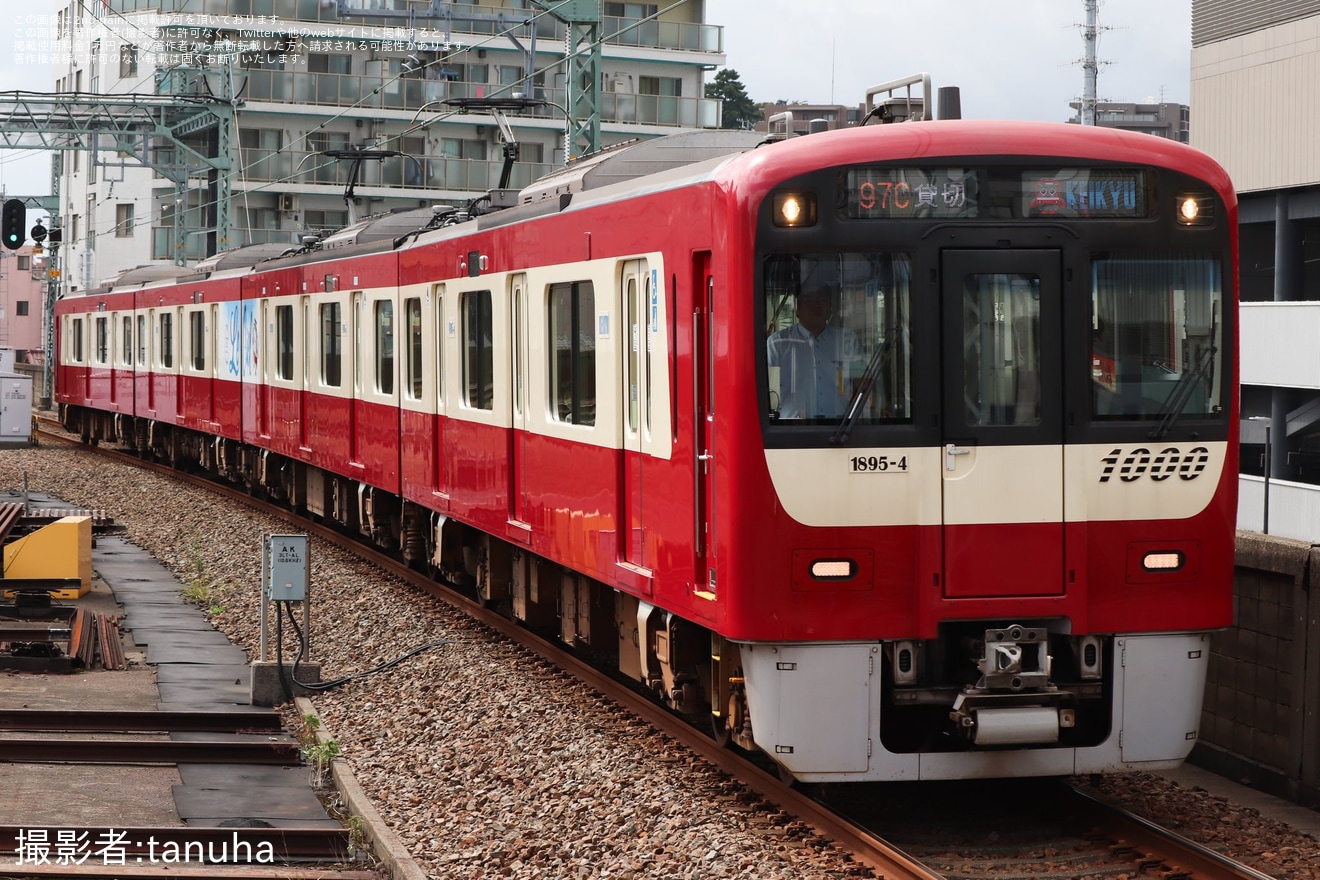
{"points": [[197, 339], [284, 342], [385, 346], [103, 340], [167, 340], [478, 382], [142, 338], [331, 345], [76, 348], [126, 342], [412, 307], [572, 347]]}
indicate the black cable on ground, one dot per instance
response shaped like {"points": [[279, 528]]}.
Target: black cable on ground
{"points": [[292, 675]]}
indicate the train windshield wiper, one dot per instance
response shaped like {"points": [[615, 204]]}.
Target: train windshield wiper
{"points": [[1182, 393], [860, 395]]}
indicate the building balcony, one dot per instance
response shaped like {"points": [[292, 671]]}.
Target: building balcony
{"points": [[677, 35], [374, 92], [293, 167], [1278, 344]]}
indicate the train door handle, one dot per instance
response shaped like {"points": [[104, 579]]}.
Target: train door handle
{"points": [[951, 453]]}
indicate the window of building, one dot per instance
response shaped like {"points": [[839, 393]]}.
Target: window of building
{"points": [[167, 340], [457, 148], [478, 382], [331, 345], [572, 347], [412, 308], [385, 346], [128, 61], [124, 220], [320, 62], [284, 342], [24, 262], [669, 86], [313, 219], [94, 63], [21, 308], [197, 339], [630, 10]]}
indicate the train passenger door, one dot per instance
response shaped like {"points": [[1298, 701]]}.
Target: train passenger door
{"points": [[303, 345], [518, 354], [354, 353], [1003, 423], [636, 289], [703, 397]]}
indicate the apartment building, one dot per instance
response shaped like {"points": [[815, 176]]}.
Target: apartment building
{"points": [[22, 294], [1254, 87], [313, 84]]}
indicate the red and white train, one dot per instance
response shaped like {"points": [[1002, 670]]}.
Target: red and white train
{"points": [[976, 521]]}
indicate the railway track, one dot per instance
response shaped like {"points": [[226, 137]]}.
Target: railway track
{"points": [[1096, 841], [255, 853]]}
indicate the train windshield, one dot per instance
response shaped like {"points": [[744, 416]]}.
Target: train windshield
{"points": [[1157, 325], [837, 337]]}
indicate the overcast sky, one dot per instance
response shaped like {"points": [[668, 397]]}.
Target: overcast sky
{"points": [[1012, 59]]}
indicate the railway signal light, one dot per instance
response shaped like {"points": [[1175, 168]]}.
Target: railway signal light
{"points": [[37, 233], [12, 224]]}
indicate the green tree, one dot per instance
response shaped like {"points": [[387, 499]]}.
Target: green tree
{"points": [[739, 110]]}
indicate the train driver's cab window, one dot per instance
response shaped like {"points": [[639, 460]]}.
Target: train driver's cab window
{"points": [[167, 340], [478, 360], [331, 345], [385, 346], [572, 349], [1157, 327], [836, 330], [284, 342]]}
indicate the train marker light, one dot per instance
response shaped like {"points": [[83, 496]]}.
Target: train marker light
{"points": [[13, 224], [1164, 561], [795, 210], [833, 569]]}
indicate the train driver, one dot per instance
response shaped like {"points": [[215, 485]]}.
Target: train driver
{"points": [[817, 362]]}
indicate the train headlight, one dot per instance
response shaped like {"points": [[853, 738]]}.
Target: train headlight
{"points": [[795, 209], [1195, 209]]}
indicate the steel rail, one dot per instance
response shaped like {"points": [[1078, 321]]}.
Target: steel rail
{"points": [[237, 721], [1177, 854], [139, 844], [143, 751], [185, 872]]}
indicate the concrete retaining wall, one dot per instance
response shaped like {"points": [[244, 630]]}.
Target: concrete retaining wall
{"points": [[1259, 720]]}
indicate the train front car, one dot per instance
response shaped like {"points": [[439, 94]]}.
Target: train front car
{"points": [[986, 488]]}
